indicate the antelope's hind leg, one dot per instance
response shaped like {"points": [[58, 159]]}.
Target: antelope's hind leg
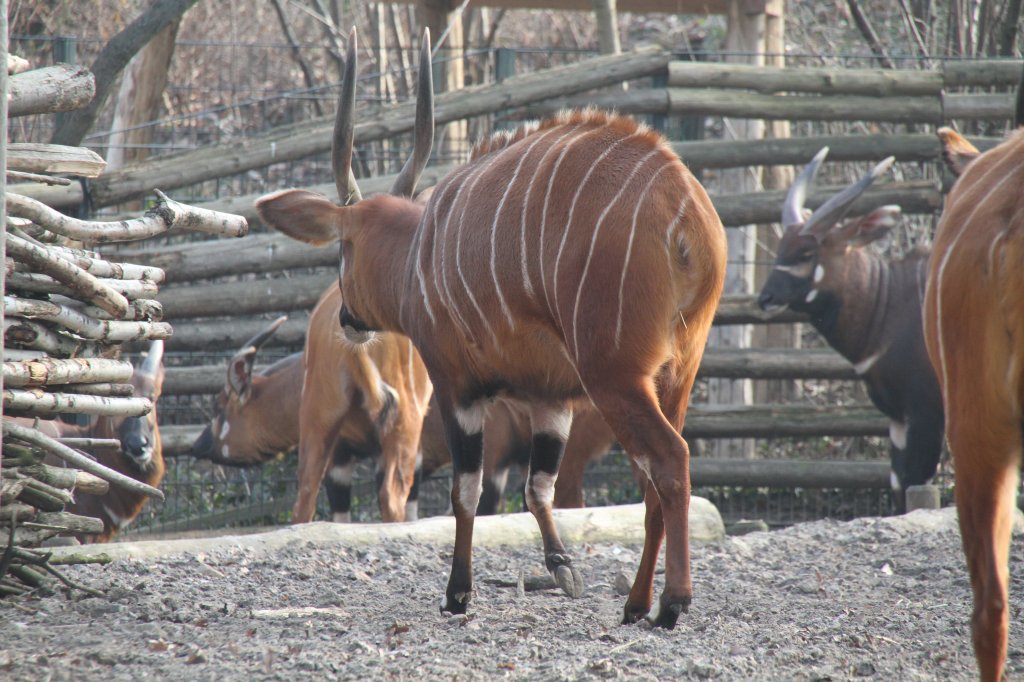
{"points": [[550, 427], [464, 433]]}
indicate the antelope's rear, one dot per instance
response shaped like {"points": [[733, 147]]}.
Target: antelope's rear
{"points": [[974, 327]]}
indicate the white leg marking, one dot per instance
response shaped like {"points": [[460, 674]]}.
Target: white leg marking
{"points": [[225, 428], [894, 481], [898, 434], [118, 522], [541, 489], [819, 273], [811, 295], [867, 363], [593, 244], [527, 284], [341, 517], [547, 201], [341, 474], [572, 209], [225, 451], [471, 419], [629, 245], [554, 422], [470, 487]]}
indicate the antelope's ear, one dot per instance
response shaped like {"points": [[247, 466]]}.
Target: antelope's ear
{"points": [[957, 152], [858, 232], [306, 216], [240, 372]]}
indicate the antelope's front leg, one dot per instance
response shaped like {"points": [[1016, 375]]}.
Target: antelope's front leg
{"points": [[464, 430], [550, 427]]}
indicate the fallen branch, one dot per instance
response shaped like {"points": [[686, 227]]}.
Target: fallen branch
{"points": [[41, 284], [37, 336], [104, 389], [35, 177], [33, 437]]}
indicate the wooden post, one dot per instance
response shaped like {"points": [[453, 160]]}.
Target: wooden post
{"points": [[504, 67], [780, 178], [744, 35], [65, 51], [440, 17], [607, 26], [3, 181]]}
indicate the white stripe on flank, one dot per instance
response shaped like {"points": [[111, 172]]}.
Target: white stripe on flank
{"points": [[572, 209], [421, 278], [544, 211], [964, 228], [593, 244], [441, 245], [458, 254], [629, 245], [527, 284], [675, 224]]}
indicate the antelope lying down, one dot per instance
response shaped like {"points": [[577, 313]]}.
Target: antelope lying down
{"points": [[577, 257], [868, 309], [974, 327]]}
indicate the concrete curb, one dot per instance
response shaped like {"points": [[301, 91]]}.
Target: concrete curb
{"points": [[622, 524]]}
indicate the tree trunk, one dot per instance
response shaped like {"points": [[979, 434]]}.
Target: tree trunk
{"points": [[607, 26], [140, 99], [438, 16], [113, 59]]}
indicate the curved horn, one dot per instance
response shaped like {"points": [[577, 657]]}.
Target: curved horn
{"points": [[344, 130], [423, 132], [151, 365], [262, 337], [792, 209], [833, 210]]}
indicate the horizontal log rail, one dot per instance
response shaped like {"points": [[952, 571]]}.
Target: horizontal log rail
{"points": [[702, 421], [61, 87], [297, 141], [49, 372], [752, 363], [788, 473]]}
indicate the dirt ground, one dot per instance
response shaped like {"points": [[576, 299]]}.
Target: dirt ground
{"points": [[872, 599]]}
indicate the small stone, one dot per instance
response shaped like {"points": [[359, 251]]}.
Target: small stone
{"points": [[622, 584]]}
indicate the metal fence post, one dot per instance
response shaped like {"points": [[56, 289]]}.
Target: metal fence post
{"points": [[504, 67]]}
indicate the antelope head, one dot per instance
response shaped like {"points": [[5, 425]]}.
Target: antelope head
{"points": [[229, 437], [138, 435], [812, 261], [374, 233]]}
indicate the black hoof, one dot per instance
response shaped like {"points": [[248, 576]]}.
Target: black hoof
{"points": [[456, 604], [569, 579], [633, 613], [668, 613]]}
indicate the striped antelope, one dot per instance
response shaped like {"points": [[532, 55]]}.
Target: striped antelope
{"points": [[869, 309], [577, 257], [974, 329]]}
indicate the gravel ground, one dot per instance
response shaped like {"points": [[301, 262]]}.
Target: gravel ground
{"points": [[882, 599]]}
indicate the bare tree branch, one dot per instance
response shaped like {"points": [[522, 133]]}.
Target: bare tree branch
{"points": [[869, 34]]}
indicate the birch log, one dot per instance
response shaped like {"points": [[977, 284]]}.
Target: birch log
{"points": [[83, 325], [38, 403], [61, 87], [50, 371], [77, 459]]}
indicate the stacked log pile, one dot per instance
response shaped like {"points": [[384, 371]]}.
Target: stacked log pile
{"points": [[66, 313]]}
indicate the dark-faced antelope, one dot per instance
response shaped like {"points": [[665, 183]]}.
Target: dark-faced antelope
{"points": [[868, 309], [974, 327], [577, 257], [140, 456]]}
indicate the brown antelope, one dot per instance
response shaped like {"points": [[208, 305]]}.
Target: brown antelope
{"points": [[338, 402], [974, 328], [577, 257], [868, 309], [140, 457], [256, 418]]}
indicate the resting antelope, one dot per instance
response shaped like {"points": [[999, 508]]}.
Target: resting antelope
{"points": [[257, 417], [974, 328], [868, 309], [574, 258], [140, 457]]}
